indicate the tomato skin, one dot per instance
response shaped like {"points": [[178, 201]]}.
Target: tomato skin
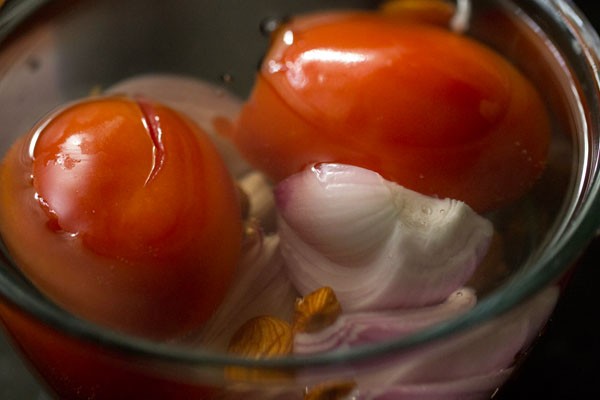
{"points": [[425, 107], [134, 228]]}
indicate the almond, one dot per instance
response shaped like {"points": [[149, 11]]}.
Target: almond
{"points": [[316, 311], [331, 391], [260, 337]]}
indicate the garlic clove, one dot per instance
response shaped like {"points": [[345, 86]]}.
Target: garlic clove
{"points": [[331, 204], [377, 244], [261, 204]]}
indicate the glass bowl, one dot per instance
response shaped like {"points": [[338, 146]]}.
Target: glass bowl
{"points": [[52, 53]]}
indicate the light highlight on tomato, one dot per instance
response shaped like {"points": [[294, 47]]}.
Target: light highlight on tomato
{"points": [[428, 108]]}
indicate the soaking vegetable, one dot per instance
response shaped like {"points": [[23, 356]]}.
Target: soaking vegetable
{"points": [[351, 329], [376, 243], [133, 216], [426, 107], [469, 365]]}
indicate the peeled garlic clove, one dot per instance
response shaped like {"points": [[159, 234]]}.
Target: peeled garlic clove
{"points": [[355, 329], [376, 244], [261, 205]]}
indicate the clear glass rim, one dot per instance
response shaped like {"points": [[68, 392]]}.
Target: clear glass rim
{"points": [[584, 223]]}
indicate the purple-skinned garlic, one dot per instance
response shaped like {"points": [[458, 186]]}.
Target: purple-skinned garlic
{"points": [[377, 244], [470, 364], [359, 328]]}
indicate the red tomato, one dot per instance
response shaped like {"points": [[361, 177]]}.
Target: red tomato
{"points": [[123, 212], [430, 109]]}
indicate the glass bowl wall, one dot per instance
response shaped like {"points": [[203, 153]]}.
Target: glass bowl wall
{"points": [[55, 52]]}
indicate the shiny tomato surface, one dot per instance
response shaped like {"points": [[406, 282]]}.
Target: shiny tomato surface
{"points": [[122, 211], [426, 107]]}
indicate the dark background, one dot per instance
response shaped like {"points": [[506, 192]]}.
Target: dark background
{"points": [[566, 362]]}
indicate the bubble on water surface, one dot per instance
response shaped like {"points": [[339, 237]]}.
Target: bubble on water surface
{"points": [[270, 24]]}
